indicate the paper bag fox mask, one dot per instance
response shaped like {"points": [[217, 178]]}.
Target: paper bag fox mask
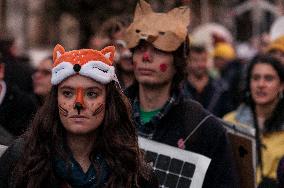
{"points": [[166, 31]]}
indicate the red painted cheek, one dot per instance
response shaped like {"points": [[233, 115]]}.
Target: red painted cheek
{"points": [[163, 67]]}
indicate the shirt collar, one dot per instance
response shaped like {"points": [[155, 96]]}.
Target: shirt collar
{"points": [[148, 129]]}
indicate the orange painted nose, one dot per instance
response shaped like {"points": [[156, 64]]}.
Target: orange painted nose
{"points": [[79, 102]]}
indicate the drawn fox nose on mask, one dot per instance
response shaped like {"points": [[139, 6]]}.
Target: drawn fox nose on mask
{"points": [[148, 37], [79, 102]]}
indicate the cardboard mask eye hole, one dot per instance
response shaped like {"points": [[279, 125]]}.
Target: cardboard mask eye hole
{"points": [[161, 33], [138, 31]]}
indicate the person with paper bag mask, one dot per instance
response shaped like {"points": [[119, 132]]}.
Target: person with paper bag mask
{"points": [[159, 42]]}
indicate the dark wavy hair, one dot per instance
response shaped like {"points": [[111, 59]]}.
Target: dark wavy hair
{"points": [[116, 140]]}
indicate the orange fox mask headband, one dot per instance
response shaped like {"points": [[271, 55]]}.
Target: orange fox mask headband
{"points": [[86, 62]]}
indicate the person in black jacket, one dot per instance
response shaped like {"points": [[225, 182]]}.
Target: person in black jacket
{"points": [[18, 69], [213, 94], [83, 135], [160, 111], [41, 79], [16, 108]]}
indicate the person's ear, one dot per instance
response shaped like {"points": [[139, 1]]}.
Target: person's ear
{"points": [[2, 71]]}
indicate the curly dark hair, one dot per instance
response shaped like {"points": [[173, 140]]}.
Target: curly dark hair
{"points": [[116, 140]]}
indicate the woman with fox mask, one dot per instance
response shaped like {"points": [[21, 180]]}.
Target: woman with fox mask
{"points": [[83, 135]]}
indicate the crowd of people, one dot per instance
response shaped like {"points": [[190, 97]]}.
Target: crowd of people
{"points": [[74, 120]]}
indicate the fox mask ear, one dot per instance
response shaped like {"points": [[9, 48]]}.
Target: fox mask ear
{"points": [[181, 13], [108, 52], [142, 8], [57, 52]]}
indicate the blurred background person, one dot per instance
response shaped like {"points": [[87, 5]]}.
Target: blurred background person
{"points": [[98, 42], [124, 64], [263, 42], [18, 70], [263, 109], [276, 49], [200, 86], [114, 29], [41, 79], [16, 107], [223, 53], [230, 70]]}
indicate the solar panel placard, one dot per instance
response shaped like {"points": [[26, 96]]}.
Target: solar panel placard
{"points": [[174, 167]]}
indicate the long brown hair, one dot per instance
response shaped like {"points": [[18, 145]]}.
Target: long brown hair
{"points": [[116, 140]]}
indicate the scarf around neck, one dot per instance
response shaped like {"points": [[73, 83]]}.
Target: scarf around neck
{"points": [[71, 172]]}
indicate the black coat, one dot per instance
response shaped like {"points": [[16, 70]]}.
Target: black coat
{"points": [[209, 140], [16, 111], [214, 97], [19, 72]]}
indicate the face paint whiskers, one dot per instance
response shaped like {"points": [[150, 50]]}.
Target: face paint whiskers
{"points": [[63, 111], [98, 110]]}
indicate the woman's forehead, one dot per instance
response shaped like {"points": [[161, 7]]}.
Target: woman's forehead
{"points": [[80, 81], [264, 68]]}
